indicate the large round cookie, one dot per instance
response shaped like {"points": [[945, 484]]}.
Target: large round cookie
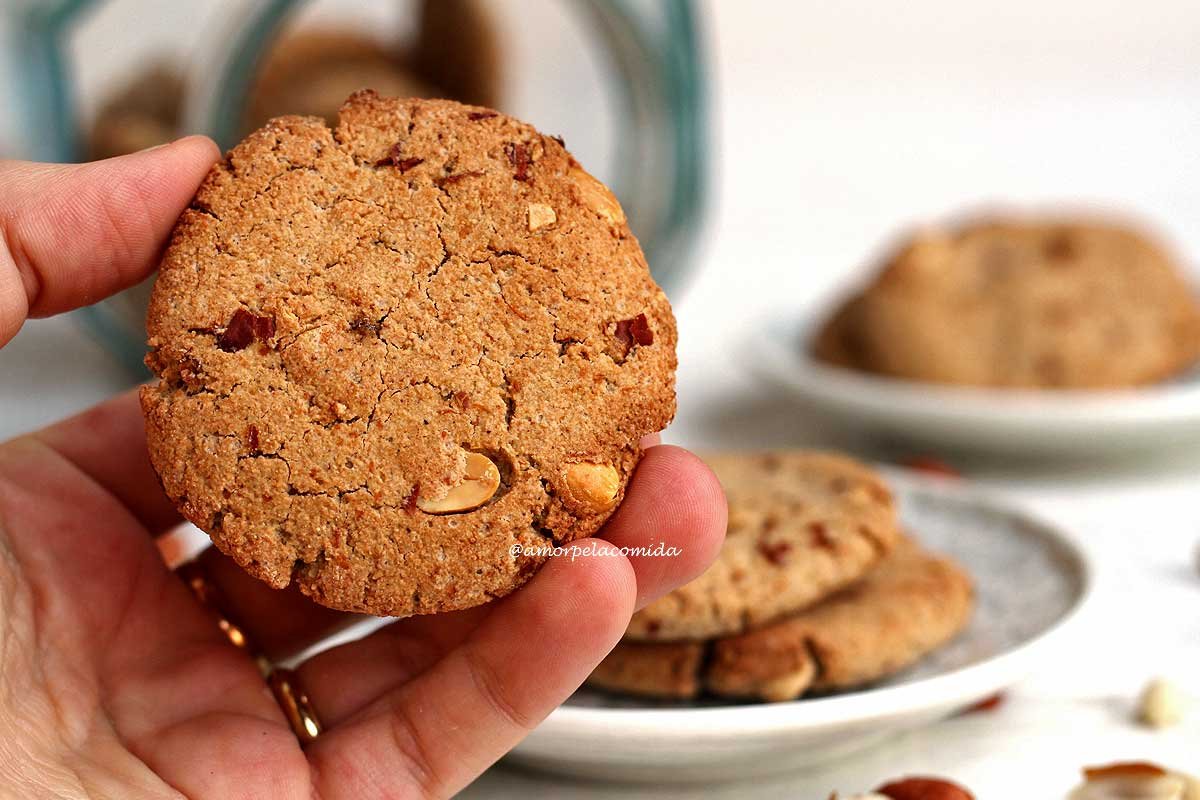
{"points": [[907, 607], [392, 352], [1051, 304], [801, 525]]}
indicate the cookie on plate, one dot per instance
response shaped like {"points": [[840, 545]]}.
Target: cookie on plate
{"points": [[801, 525], [391, 352], [910, 605], [837, 341], [1012, 303]]}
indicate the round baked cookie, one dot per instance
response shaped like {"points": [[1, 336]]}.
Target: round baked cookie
{"points": [[801, 525], [391, 353], [910, 605], [1010, 303]]}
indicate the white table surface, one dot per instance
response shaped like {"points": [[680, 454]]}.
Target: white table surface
{"points": [[837, 125]]}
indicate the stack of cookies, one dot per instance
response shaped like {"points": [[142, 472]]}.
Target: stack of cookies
{"points": [[815, 589], [1010, 303]]}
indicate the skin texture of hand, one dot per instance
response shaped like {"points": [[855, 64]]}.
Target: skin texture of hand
{"points": [[115, 682]]}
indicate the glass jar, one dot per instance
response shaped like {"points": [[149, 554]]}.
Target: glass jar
{"points": [[621, 80]]}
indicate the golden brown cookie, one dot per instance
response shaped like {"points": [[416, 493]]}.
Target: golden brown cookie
{"points": [[388, 353], [907, 607], [1009, 303], [801, 525]]}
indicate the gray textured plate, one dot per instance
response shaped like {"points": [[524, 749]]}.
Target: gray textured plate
{"points": [[1029, 577]]}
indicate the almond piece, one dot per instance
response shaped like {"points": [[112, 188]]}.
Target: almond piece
{"points": [[540, 215], [596, 196], [1132, 779], [924, 789], [1160, 704], [594, 485], [478, 484]]}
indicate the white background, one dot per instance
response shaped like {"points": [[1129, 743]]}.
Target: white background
{"points": [[838, 125]]}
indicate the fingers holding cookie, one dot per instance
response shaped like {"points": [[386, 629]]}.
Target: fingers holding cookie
{"points": [[674, 503], [480, 698], [678, 506], [672, 521]]}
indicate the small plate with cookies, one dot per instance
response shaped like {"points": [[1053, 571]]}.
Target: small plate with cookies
{"points": [[846, 606], [1011, 336]]}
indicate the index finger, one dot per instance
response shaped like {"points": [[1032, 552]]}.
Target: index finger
{"points": [[72, 234]]}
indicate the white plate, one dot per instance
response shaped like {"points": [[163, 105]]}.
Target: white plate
{"points": [[1060, 423], [1030, 580]]}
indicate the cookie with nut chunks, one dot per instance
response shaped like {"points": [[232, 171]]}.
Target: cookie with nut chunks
{"points": [[802, 524], [910, 605], [398, 356]]}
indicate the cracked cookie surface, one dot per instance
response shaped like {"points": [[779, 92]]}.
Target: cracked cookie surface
{"points": [[905, 608], [346, 320], [802, 524]]}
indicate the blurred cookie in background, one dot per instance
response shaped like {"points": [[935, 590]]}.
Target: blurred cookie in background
{"points": [[310, 71], [1135, 779], [1021, 303], [458, 50], [837, 341], [142, 113]]}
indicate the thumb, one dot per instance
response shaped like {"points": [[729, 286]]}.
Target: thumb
{"points": [[71, 235]]}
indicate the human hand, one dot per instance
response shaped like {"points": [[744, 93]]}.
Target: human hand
{"points": [[116, 682]]}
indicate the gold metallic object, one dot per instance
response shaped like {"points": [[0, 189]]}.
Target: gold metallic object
{"points": [[207, 594], [295, 704], [284, 684]]}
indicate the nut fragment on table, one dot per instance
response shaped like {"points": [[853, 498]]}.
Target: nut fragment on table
{"points": [[1135, 780], [478, 484], [1160, 704], [918, 788]]}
